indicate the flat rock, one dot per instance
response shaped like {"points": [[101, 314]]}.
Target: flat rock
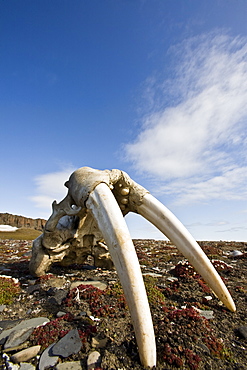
{"points": [[57, 282], [73, 365], [26, 324], [18, 337], [69, 344], [26, 366], [94, 360], [97, 284], [8, 324], [25, 354], [58, 295], [33, 288], [47, 359]]}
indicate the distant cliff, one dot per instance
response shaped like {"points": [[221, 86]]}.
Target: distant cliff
{"points": [[20, 221]]}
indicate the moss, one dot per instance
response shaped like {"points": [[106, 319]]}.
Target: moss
{"points": [[154, 294], [9, 288]]}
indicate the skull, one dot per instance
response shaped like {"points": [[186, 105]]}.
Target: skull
{"points": [[89, 221]]}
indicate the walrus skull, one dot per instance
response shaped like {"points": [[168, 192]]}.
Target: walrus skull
{"points": [[93, 210]]}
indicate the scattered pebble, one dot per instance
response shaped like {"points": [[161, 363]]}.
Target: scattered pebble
{"points": [[99, 342], [2, 307], [58, 295], [61, 313], [206, 314], [235, 253], [93, 360]]}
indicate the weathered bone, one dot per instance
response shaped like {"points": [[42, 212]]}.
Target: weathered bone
{"points": [[110, 221], [93, 210], [168, 224]]}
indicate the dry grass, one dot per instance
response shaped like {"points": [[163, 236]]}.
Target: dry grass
{"points": [[20, 234]]}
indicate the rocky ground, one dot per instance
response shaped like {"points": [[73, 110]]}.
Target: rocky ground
{"points": [[193, 329]]}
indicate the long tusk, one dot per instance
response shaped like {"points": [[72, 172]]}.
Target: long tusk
{"points": [[111, 223], [168, 224]]}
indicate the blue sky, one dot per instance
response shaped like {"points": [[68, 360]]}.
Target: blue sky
{"points": [[157, 88]]}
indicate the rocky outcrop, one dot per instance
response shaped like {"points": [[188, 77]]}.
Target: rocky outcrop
{"points": [[21, 221]]}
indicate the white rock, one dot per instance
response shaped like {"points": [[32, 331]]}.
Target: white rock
{"points": [[96, 284], [93, 360], [25, 354]]}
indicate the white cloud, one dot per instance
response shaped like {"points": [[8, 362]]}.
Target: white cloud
{"points": [[50, 187], [201, 139]]}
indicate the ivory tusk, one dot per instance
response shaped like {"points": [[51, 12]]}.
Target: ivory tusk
{"points": [[110, 221], [168, 224]]}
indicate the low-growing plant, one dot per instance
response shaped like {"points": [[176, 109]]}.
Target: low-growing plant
{"points": [[9, 288]]}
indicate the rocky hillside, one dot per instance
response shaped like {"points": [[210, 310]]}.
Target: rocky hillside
{"points": [[21, 221]]}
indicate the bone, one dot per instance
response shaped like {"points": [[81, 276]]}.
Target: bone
{"points": [[125, 191], [108, 216], [124, 200], [168, 224]]}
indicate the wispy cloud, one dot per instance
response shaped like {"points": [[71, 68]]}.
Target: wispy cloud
{"points": [[50, 187], [194, 138]]}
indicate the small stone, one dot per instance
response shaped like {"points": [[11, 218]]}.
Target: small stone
{"points": [[206, 314], [94, 360], [236, 253], [97, 284], [2, 307], [69, 344], [208, 297], [47, 359], [58, 296], [243, 331], [25, 354], [33, 288], [61, 313], [172, 279], [99, 342], [152, 274], [18, 337], [73, 365], [57, 282]]}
